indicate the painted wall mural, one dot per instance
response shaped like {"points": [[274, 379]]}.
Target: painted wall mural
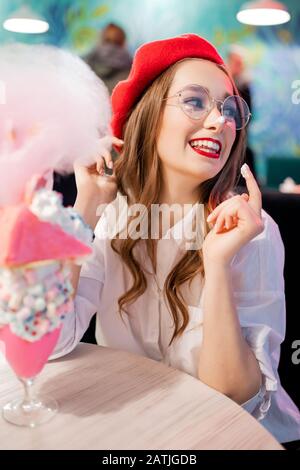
{"points": [[272, 53]]}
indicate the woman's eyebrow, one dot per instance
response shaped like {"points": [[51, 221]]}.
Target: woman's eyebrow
{"points": [[225, 95]]}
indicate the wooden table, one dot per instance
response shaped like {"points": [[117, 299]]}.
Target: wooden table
{"points": [[111, 399]]}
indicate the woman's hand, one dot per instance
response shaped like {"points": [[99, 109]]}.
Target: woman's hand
{"points": [[92, 182], [235, 222]]}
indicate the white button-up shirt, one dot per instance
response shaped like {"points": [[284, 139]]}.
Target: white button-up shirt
{"points": [[257, 279]]}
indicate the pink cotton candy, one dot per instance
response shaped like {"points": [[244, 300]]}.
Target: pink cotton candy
{"points": [[55, 111]]}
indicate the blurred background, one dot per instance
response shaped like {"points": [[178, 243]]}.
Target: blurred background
{"points": [[265, 60]]}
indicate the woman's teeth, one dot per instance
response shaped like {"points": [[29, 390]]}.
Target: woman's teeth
{"points": [[207, 145]]}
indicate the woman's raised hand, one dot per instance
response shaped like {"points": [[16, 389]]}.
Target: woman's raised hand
{"points": [[235, 222], [92, 182]]}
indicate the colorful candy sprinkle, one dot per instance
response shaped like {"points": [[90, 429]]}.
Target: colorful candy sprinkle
{"points": [[29, 309]]}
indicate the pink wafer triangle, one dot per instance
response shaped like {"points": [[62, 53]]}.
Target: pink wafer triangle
{"points": [[26, 239]]}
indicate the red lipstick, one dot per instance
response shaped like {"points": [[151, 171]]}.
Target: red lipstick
{"points": [[207, 147]]}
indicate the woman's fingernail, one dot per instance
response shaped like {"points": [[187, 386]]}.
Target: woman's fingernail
{"points": [[110, 165], [208, 218], [245, 171]]}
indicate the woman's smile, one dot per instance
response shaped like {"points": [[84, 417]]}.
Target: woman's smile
{"points": [[206, 146]]}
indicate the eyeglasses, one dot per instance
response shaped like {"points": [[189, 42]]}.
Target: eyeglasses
{"points": [[196, 102]]}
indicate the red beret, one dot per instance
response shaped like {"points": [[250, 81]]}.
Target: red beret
{"points": [[150, 60]]}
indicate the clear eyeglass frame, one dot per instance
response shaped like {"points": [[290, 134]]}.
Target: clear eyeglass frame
{"points": [[212, 102]]}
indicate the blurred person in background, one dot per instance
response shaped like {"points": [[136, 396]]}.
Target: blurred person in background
{"points": [[110, 58]]}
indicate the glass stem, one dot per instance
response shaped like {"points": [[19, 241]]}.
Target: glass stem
{"points": [[28, 391]]}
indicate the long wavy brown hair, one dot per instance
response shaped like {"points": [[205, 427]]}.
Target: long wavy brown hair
{"points": [[139, 178]]}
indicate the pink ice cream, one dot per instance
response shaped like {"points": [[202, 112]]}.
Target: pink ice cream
{"points": [[35, 277], [26, 358]]}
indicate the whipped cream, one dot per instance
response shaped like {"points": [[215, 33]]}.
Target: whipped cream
{"points": [[47, 205]]}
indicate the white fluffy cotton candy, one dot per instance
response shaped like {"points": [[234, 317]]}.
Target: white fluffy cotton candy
{"points": [[53, 110]]}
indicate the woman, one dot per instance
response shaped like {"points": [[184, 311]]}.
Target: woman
{"points": [[214, 310]]}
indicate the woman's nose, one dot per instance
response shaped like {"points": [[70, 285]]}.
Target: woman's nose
{"points": [[214, 120]]}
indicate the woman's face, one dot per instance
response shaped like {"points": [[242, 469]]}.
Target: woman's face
{"points": [[196, 148]]}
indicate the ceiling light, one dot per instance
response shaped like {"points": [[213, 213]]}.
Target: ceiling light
{"points": [[263, 13], [27, 21]]}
